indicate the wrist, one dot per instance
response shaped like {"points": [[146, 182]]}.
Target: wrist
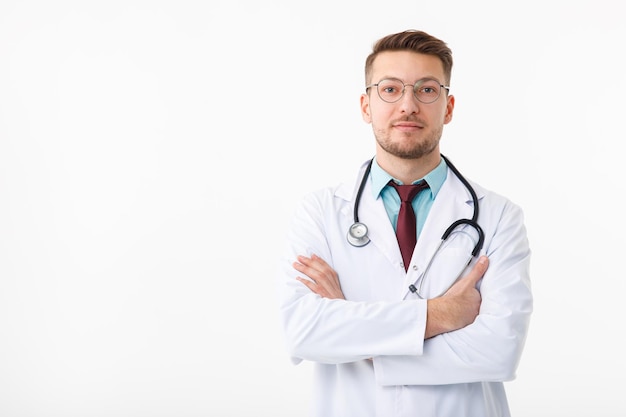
{"points": [[436, 319]]}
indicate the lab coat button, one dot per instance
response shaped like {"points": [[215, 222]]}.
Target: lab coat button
{"points": [[414, 267]]}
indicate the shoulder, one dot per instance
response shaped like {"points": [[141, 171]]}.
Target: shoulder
{"points": [[496, 204], [342, 192], [323, 198]]}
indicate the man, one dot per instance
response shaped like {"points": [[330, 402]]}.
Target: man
{"points": [[413, 333]]}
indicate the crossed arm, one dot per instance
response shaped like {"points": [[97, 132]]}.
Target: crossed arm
{"points": [[455, 309]]}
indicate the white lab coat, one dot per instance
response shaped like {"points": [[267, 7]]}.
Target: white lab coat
{"points": [[455, 374]]}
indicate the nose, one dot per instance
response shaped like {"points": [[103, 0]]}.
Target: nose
{"points": [[408, 102]]}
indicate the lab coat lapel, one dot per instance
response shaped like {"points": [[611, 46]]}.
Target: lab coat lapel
{"points": [[372, 212], [453, 202]]}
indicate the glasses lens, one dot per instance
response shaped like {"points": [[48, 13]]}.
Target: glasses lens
{"points": [[427, 91], [390, 90]]}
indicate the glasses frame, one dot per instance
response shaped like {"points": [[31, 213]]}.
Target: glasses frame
{"points": [[415, 86]]}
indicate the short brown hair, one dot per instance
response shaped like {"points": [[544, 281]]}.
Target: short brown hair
{"points": [[412, 40]]}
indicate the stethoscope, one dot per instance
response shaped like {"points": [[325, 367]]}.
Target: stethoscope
{"points": [[358, 232]]}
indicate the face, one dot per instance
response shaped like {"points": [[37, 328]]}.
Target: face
{"points": [[408, 128]]}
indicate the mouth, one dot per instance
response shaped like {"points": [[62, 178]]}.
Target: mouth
{"points": [[408, 126]]}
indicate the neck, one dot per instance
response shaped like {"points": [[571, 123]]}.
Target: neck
{"points": [[408, 170]]}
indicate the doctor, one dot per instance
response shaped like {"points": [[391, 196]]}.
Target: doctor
{"points": [[429, 335]]}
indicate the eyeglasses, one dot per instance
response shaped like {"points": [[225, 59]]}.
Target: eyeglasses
{"points": [[425, 90]]}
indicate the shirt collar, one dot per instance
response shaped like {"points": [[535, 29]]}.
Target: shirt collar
{"points": [[435, 178]]}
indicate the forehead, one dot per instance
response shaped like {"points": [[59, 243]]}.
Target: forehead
{"points": [[408, 66]]}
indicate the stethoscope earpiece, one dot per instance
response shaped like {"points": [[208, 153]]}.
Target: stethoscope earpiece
{"points": [[357, 235]]}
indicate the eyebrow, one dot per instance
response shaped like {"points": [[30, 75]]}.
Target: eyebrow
{"points": [[428, 77]]}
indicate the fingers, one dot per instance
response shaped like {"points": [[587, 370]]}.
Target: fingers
{"points": [[313, 267], [310, 285], [322, 279], [313, 262]]}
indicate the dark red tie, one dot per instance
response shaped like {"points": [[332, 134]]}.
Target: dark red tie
{"points": [[406, 229]]}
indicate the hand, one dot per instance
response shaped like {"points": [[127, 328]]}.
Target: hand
{"points": [[459, 306], [323, 280]]}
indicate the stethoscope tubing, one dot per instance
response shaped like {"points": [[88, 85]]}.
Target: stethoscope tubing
{"points": [[358, 233], [361, 238]]}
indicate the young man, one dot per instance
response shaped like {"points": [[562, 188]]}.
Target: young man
{"points": [[396, 321]]}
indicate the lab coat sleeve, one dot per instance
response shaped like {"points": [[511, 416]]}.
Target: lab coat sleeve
{"points": [[338, 331], [490, 348]]}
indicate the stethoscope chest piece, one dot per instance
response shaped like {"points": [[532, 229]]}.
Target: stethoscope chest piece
{"points": [[357, 235]]}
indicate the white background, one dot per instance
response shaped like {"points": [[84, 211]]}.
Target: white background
{"points": [[151, 153]]}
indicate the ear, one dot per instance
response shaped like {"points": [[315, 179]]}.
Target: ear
{"points": [[449, 109], [365, 108]]}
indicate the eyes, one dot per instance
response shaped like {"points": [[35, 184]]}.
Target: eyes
{"points": [[426, 90], [421, 90]]}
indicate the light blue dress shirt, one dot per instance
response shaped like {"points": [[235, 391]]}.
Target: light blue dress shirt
{"points": [[421, 204]]}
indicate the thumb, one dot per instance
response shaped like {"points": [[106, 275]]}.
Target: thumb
{"points": [[478, 270]]}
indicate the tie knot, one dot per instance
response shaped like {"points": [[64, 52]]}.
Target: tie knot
{"points": [[408, 192]]}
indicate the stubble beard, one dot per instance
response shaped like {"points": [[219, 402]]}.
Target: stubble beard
{"points": [[410, 148]]}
